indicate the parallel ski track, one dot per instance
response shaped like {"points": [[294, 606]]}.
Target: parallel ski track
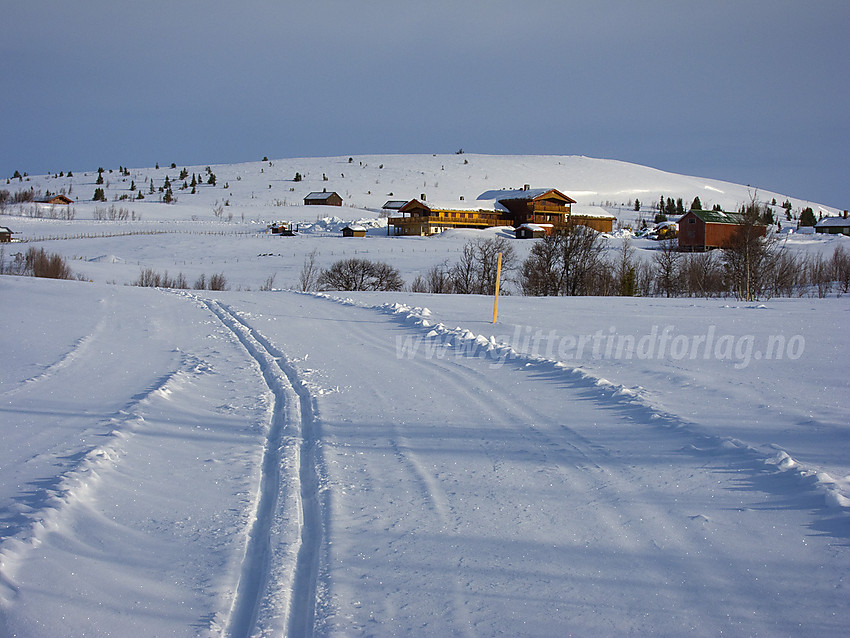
{"points": [[293, 408]]}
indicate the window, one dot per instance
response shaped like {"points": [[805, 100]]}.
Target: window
{"points": [[692, 221]]}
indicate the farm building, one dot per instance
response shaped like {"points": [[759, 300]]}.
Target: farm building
{"points": [[838, 225], [546, 206], [5, 235], [323, 199], [354, 231], [704, 229]]}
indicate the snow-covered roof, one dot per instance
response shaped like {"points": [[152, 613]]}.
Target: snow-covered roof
{"points": [[355, 228], [833, 222], [588, 210], [322, 195], [536, 227], [514, 193]]}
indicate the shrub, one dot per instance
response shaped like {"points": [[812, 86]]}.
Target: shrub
{"points": [[40, 263], [360, 274]]}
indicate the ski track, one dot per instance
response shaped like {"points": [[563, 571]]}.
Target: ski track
{"points": [[62, 492], [263, 572]]}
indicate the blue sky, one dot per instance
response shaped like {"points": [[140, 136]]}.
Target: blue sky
{"points": [[750, 91]]}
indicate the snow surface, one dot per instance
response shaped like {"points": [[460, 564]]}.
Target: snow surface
{"points": [[247, 463]]}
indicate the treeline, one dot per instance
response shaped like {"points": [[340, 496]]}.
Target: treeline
{"points": [[577, 263]]}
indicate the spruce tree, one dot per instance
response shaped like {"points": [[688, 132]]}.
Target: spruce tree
{"points": [[696, 205]]}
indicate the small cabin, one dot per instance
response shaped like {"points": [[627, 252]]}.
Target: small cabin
{"points": [[354, 231], [323, 199], [5, 235], [836, 225], [533, 231], [63, 200], [705, 229]]}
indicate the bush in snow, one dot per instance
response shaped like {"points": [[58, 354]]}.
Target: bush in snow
{"points": [[360, 274]]}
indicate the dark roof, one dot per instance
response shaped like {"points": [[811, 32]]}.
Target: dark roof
{"points": [[395, 204], [717, 216]]}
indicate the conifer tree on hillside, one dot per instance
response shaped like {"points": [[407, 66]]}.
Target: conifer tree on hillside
{"points": [[807, 217]]}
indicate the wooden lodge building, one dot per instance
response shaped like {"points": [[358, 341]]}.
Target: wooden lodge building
{"points": [[701, 230], [542, 206]]}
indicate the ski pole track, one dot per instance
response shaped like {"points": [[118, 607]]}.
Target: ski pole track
{"points": [[62, 492], [293, 409]]}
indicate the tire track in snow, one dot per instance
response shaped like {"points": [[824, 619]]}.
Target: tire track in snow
{"points": [[260, 578]]}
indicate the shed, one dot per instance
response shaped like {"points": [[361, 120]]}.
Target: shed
{"points": [[354, 231], [835, 225], [323, 199], [705, 229], [5, 235]]}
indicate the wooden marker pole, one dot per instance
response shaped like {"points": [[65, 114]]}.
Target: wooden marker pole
{"points": [[498, 284]]}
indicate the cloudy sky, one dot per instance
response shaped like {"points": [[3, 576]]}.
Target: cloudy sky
{"points": [[751, 91]]}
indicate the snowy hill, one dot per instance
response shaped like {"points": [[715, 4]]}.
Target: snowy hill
{"points": [[257, 189]]}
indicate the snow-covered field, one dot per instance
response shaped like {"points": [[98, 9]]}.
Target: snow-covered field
{"points": [[267, 463]]}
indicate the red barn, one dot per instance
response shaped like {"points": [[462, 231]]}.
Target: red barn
{"points": [[704, 229]]}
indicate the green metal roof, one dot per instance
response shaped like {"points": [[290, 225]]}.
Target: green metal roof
{"points": [[718, 217]]}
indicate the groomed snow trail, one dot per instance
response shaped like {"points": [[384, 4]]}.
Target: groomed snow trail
{"points": [[291, 433]]}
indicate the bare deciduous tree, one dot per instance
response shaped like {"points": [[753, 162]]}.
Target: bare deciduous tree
{"points": [[308, 279], [360, 274]]}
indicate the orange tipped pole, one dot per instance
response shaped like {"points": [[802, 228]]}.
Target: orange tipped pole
{"points": [[498, 285]]}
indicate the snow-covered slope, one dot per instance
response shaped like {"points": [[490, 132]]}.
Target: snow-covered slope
{"points": [[247, 464]]}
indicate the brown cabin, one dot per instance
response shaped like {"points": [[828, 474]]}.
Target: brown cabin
{"points": [[705, 229], [58, 199], [353, 231], [323, 199], [5, 235], [533, 231]]}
